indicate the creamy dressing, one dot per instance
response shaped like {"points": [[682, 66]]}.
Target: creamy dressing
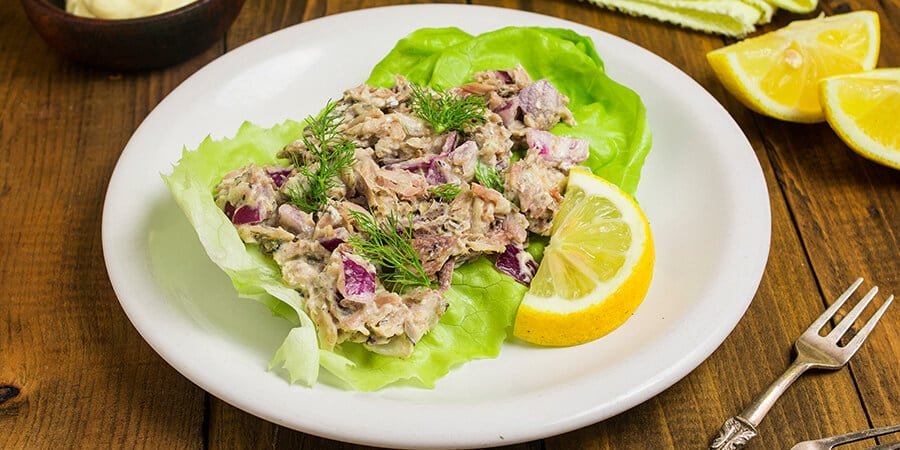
{"points": [[122, 9]]}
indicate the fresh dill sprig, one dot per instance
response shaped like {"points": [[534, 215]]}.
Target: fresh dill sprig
{"points": [[390, 247], [445, 192], [446, 111], [307, 198], [489, 177], [332, 152]]}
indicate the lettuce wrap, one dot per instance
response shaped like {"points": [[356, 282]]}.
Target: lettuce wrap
{"points": [[610, 116], [482, 300]]}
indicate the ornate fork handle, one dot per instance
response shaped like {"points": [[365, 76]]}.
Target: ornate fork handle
{"points": [[734, 434], [739, 430]]}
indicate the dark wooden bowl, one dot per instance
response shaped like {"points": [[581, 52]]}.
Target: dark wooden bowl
{"points": [[131, 44]]}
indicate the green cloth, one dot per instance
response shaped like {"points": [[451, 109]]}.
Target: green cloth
{"points": [[728, 17]]}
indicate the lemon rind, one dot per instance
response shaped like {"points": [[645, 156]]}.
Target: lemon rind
{"points": [[846, 127]]}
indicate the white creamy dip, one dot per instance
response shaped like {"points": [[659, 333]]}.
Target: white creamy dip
{"points": [[122, 9]]}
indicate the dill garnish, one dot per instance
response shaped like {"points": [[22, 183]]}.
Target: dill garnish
{"points": [[331, 151], [390, 247], [445, 192], [489, 177], [446, 111]]}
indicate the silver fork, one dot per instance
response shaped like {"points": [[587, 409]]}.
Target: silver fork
{"points": [[833, 441], [813, 352]]}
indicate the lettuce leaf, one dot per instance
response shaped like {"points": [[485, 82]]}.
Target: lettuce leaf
{"points": [[482, 300], [254, 275], [610, 116]]}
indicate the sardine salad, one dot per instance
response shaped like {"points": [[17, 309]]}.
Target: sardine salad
{"points": [[388, 190]]}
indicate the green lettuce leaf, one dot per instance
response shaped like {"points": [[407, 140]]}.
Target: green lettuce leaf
{"points": [[610, 116], [254, 275]]}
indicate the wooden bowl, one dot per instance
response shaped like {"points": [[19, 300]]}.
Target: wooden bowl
{"points": [[131, 44]]}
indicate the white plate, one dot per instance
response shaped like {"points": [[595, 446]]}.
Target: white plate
{"points": [[702, 189]]}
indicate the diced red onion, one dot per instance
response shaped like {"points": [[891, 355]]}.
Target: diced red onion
{"points": [[435, 175], [331, 244], [504, 76], [540, 96], [564, 151], [246, 214], [539, 140], [419, 165], [357, 279], [509, 111], [279, 176], [229, 210], [517, 263]]}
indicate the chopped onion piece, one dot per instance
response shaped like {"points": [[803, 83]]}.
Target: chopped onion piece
{"points": [[358, 280], [517, 263], [244, 215]]}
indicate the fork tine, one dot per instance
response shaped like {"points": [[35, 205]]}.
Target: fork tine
{"points": [[860, 337], [860, 435], [851, 316], [829, 313], [894, 446]]}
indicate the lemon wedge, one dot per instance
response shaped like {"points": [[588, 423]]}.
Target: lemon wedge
{"points": [[596, 269], [863, 109], [776, 74]]}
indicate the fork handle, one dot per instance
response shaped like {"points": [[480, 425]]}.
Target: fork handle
{"points": [[740, 429]]}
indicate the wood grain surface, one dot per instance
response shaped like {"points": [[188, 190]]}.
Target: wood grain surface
{"points": [[75, 374]]}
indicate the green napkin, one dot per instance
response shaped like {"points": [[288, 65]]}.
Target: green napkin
{"points": [[729, 17]]}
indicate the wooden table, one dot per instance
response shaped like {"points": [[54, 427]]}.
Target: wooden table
{"points": [[74, 373]]}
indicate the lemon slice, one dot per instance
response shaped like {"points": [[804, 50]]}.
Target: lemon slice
{"points": [[596, 270], [863, 109], [776, 74]]}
